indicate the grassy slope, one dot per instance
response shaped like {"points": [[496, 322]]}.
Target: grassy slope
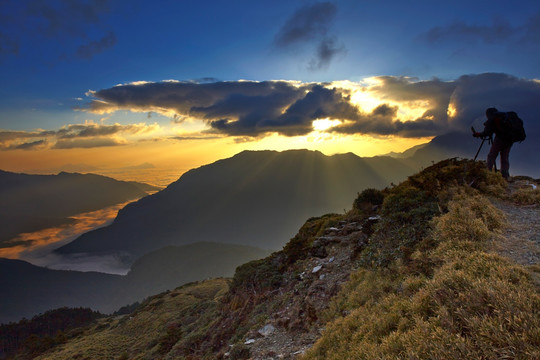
{"points": [[147, 332], [427, 287]]}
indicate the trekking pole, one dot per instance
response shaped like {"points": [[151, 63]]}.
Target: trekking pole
{"points": [[478, 152], [483, 140]]}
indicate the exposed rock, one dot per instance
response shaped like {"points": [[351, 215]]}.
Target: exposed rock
{"points": [[267, 330], [318, 250]]}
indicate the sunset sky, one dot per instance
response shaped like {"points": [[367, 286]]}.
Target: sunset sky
{"points": [[178, 84]]}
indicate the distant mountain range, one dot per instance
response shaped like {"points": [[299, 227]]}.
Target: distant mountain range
{"points": [[33, 202], [28, 290], [254, 198]]}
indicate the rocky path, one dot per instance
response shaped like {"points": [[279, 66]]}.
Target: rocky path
{"points": [[521, 239]]}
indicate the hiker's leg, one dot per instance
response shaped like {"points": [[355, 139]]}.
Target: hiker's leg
{"points": [[492, 155], [505, 163]]}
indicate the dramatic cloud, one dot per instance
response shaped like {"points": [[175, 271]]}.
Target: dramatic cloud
{"points": [[311, 24], [403, 106], [72, 136]]}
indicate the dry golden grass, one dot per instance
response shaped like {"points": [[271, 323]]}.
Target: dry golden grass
{"points": [[526, 196], [475, 306], [153, 328]]}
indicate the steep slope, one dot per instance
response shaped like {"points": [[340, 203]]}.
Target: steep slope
{"points": [[33, 202], [409, 272], [253, 198], [29, 290]]}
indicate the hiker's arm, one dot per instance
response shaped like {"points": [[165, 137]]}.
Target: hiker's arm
{"points": [[489, 129]]}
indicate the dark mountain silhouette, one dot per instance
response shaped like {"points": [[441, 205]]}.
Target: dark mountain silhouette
{"points": [[28, 290], [254, 198], [33, 202]]}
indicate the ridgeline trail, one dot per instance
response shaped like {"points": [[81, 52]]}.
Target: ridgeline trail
{"points": [[521, 239]]}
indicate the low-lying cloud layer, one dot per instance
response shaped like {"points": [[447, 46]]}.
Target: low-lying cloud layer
{"points": [[72, 136]]}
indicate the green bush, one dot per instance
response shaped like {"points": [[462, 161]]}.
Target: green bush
{"points": [[257, 276], [368, 198], [405, 216]]}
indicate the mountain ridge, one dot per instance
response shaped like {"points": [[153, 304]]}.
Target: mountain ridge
{"points": [[232, 199]]}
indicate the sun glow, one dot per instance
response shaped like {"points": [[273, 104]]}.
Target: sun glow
{"points": [[324, 124], [452, 111]]}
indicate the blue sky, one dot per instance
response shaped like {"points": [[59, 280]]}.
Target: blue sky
{"points": [[53, 52]]}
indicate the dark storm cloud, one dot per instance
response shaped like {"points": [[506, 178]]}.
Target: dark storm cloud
{"points": [[409, 90], [309, 24], [382, 121], [318, 103], [241, 108], [469, 95], [475, 93], [182, 97]]}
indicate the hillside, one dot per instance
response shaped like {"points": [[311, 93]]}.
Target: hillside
{"points": [[34, 202], [28, 289], [254, 198], [422, 270]]}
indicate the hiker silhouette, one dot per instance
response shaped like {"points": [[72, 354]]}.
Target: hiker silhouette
{"points": [[500, 145]]}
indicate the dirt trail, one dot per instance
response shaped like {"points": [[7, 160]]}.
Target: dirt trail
{"points": [[521, 239]]}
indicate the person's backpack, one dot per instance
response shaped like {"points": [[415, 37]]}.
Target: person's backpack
{"points": [[511, 127]]}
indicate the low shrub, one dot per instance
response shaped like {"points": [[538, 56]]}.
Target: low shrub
{"points": [[367, 199], [257, 276], [526, 196]]}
